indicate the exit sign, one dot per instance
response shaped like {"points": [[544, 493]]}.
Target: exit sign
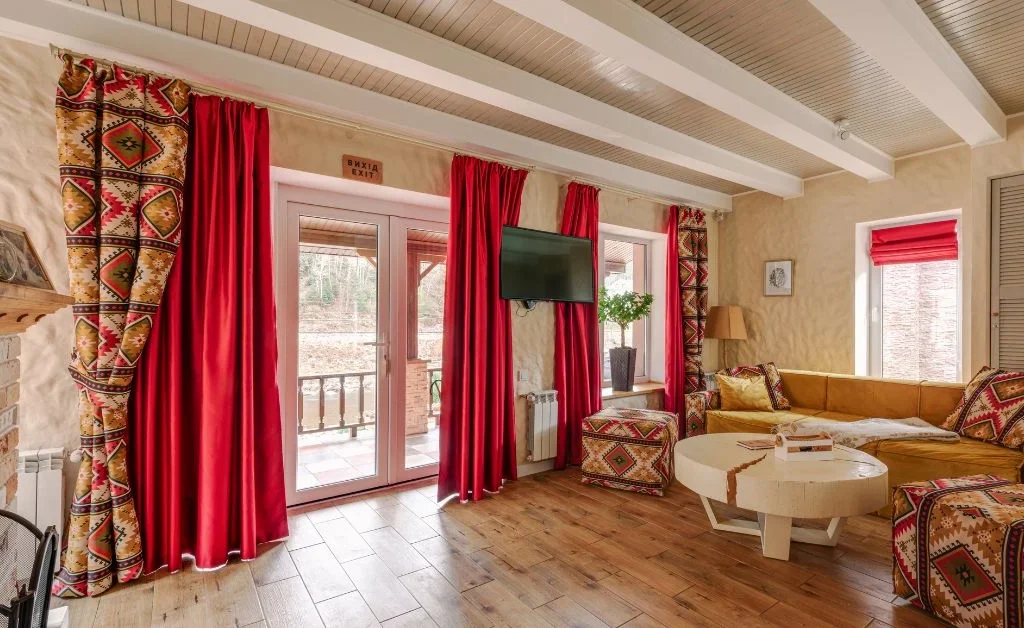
{"points": [[362, 169]]}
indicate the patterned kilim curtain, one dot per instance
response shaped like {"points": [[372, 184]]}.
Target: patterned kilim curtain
{"points": [[693, 291], [122, 139]]}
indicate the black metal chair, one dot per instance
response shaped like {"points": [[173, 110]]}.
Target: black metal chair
{"points": [[28, 558]]}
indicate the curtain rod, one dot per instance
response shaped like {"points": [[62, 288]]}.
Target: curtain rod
{"points": [[210, 90]]}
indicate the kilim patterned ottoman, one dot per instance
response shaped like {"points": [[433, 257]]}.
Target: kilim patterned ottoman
{"points": [[630, 449], [957, 549]]}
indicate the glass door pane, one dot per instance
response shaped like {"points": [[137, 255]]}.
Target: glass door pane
{"points": [[339, 375], [426, 253]]}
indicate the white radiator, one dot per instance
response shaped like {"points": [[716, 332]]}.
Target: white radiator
{"points": [[41, 487], [542, 431]]}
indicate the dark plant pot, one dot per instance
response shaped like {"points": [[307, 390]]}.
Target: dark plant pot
{"points": [[623, 363]]}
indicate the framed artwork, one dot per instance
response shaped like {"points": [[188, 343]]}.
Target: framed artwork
{"points": [[778, 278], [19, 262]]}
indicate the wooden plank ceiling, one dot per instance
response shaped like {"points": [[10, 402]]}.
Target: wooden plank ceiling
{"points": [[491, 29], [209, 26], [989, 37], [794, 48], [786, 43]]}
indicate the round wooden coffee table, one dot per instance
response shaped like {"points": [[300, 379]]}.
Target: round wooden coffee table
{"points": [[779, 490]]}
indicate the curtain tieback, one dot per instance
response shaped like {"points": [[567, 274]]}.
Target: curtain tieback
{"points": [[102, 394]]}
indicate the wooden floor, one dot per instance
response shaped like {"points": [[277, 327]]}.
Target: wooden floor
{"points": [[546, 551]]}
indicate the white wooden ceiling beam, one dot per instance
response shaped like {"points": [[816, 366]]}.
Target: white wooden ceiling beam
{"points": [[354, 31], [632, 35], [102, 34], [904, 41]]}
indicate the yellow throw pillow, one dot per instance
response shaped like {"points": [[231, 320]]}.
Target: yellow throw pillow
{"points": [[740, 393]]}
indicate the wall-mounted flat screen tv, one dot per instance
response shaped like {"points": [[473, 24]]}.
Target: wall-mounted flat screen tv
{"points": [[544, 266]]}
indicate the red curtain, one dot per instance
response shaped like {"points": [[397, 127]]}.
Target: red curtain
{"points": [[478, 428], [577, 349], [206, 422], [675, 363], [912, 244]]}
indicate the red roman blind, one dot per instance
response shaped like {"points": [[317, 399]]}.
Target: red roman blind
{"points": [[912, 244]]}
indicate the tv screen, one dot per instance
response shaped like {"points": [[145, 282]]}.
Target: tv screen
{"points": [[544, 266]]}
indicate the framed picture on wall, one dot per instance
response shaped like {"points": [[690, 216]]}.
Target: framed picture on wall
{"points": [[778, 278], [19, 262]]}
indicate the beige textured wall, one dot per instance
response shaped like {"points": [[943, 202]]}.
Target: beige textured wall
{"points": [[309, 145], [814, 329], [29, 196]]}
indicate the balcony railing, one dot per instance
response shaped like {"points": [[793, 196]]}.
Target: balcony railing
{"points": [[434, 397], [322, 393], [362, 420]]}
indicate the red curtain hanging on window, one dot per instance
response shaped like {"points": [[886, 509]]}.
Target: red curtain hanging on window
{"points": [[912, 244], [675, 363], [478, 426], [577, 348], [205, 423]]}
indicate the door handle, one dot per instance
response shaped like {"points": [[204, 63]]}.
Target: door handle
{"points": [[375, 344]]}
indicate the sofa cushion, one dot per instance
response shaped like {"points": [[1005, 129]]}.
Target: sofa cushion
{"points": [[870, 397], [938, 399], [838, 416], [805, 389], [743, 393], [806, 411], [917, 461], [966, 452], [719, 421], [770, 374], [992, 408]]}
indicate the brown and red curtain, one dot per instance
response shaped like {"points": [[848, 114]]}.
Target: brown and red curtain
{"points": [[577, 347], [686, 306], [206, 458], [478, 437], [122, 139]]}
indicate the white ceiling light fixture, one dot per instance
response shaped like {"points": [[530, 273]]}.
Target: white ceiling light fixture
{"points": [[843, 129]]}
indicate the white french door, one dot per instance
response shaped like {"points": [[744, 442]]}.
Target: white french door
{"points": [[360, 302]]}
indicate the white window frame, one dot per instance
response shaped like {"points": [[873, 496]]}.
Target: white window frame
{"points": [[649, 241], [868, 336]]}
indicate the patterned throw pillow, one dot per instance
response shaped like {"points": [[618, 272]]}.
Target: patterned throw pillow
{"points": [[772, 380], [992, 409]]}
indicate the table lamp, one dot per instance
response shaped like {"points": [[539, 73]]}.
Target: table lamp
{"points": [[725, 322]]}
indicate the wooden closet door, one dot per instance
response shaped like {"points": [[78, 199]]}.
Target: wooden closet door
{"points": [[1008, 272]]}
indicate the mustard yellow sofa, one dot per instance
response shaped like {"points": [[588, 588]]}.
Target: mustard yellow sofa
{"points": [[849, 398]]}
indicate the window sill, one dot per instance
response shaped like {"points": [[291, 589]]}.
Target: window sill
{"points": [[638, 390]]}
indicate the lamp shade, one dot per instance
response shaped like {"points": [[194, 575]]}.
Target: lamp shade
{"points": [[725, 322]]}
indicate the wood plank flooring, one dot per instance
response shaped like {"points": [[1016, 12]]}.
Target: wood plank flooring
{"points": [[546, 551]]}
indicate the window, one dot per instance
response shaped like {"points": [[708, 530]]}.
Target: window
{"points": [[915, 318], [625, 267]]}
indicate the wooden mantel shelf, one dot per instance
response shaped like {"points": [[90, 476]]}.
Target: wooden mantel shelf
{"points": [[21, 306]]}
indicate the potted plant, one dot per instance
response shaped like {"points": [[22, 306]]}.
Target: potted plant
{"points": [[623, 309]]}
